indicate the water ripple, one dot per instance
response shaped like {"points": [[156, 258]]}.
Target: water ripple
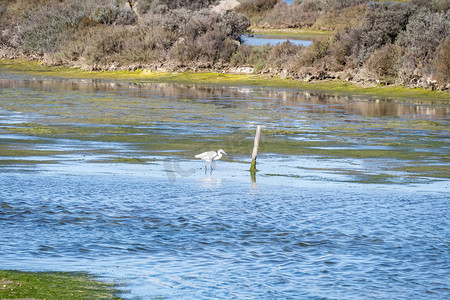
{"points": [[185, 240]]}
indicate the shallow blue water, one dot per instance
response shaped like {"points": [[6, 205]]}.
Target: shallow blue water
{"points": [[221, 237], [262, 40], [166, 229]]}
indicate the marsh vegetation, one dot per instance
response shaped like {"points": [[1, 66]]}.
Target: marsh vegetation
{"points": [[400, 42], [53, 285]]}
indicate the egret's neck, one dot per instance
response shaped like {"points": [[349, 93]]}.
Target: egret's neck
{"points": [[219, 155]]}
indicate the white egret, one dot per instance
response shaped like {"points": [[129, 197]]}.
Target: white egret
{"points": [[209, 156]]}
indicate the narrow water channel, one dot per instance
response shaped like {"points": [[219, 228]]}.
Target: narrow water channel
{"points": [[262, 40]]}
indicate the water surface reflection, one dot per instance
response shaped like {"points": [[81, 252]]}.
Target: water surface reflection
{"points": [[100, 176], [235, 97]]}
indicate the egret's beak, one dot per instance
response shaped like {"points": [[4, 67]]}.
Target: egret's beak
{"points": [[224, 153]]}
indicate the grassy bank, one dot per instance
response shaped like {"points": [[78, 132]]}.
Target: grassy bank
{"points": [[53, 285], [143, 76], [302, 33]]}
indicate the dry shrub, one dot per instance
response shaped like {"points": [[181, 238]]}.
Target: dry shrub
{"points": [[163, 6], [190, 38], [383, 62], [442, 62], [349, 17], [9, 28], [44, 29], [281, 55], [341, 4], [106, 47], [422, 36], [442, 5], [257, 57], [253, 8], [52, 22], [241, 57], [315, 52], [345, 49], [277, 14], [124, 46], [209, 38], [312, 5], [382, 24], [174, 21], [23, 8], [210, 47], [113, 13], [289, 16]]}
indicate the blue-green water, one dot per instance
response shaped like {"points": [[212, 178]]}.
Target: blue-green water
{"points": [[262, 40], [308, 226]]}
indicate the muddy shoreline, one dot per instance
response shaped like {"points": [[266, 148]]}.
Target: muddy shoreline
{"points": [[230, 76]]}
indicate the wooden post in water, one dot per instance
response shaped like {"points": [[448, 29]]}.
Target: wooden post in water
{"points": [[255, 149]]}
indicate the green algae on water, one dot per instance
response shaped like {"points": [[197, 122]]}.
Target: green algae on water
{"points": [[54, 285], [142, 76], [107, 122]]}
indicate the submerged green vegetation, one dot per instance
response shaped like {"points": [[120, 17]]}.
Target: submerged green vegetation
{"points": [[85, 127], [141, 77], [53, 285]]}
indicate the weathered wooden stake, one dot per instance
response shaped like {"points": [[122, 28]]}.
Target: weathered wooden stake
{"points": [[255, 148]]}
